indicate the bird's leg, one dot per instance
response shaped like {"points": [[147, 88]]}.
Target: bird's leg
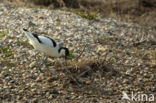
{"points": [[36, 58], [44, 59], [65, 61]]}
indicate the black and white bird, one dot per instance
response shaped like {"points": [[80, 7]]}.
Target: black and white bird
{"points": [[46, 45]]}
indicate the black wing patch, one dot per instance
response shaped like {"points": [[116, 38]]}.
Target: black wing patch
{"points": [[54, 43], [36, 36]]}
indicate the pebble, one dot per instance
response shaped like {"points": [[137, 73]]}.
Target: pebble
{"points": [[32, 64]]}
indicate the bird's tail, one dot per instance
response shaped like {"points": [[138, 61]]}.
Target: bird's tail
{"points": [[26, 30]]}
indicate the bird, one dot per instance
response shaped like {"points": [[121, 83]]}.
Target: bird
{"points": [[46, 45]]}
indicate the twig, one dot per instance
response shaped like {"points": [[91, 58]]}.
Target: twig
{"points": [[81, 53], [84, 72], [72, 77]]}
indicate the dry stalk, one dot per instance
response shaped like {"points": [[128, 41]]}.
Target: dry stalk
{"points": [[72, 77], [77, 58], [85, 72]]}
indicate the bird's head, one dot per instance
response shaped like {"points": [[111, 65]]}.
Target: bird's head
{"points": [[64, 51]]}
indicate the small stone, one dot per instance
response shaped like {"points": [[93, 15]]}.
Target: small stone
{"points": [[32, 64]]}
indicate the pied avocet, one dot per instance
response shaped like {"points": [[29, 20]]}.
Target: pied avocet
{"points": [[46, 45]]}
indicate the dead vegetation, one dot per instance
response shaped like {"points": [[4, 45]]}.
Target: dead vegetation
{"points": [[85, 76], [138, 11]]}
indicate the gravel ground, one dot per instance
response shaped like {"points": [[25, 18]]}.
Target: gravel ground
{"points": [[128, 51]]}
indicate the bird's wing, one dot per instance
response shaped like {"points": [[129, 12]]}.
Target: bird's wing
{"points": [[47, 41], [41, 39]]}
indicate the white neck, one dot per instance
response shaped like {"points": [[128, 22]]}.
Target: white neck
{"points": [[62, 52]]}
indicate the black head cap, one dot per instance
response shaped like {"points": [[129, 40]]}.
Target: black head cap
{"points": [[66, 51]]}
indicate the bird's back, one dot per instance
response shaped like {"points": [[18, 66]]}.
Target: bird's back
{"points": [[44, 44], [47, 41]]}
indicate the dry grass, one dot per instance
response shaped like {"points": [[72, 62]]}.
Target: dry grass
{"points": [[7, 63], [82, 72], [137, 11]]}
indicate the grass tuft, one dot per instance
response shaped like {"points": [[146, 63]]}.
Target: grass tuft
{"points": [[21, 42], [105, 41], [11, 37], [3, 33], [6, 51], [87, 15], [7, 63], [71, 55], [58, 24]]}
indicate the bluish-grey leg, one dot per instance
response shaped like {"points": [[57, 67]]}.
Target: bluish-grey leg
{"points": [[44, 59], [38, 64]]}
